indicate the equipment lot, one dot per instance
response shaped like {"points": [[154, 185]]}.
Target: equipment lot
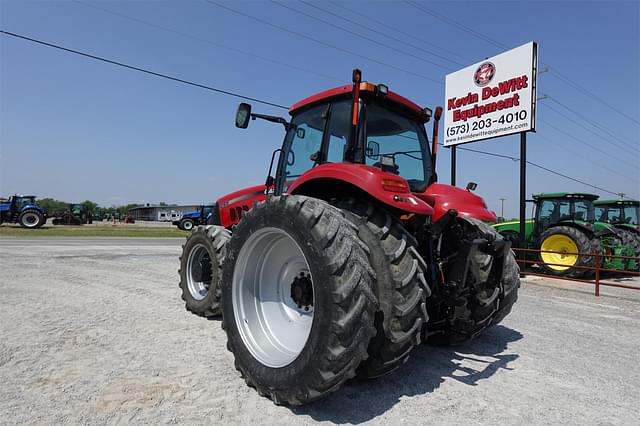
{"points": [[93, 331]]}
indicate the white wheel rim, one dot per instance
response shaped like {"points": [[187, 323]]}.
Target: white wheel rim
{"points": [[30, 220], [273, 325], [198, 259]]}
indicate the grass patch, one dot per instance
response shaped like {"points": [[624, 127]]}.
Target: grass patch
{"points": [[91, 231]]}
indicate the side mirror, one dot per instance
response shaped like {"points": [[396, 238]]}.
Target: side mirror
{"points": [[243, 115], [471, 186], [373, 150]]}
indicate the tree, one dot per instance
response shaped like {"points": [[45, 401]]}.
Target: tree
{"points": [[90, 206]]}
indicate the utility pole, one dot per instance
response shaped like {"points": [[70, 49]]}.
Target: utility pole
{"points": [[502, 207]]}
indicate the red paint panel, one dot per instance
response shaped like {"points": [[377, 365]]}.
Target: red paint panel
{"points": [[232, 206], [370, 180], [347, 88], [444, 197]]}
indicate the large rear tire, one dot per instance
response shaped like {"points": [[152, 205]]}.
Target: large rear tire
{"points": [[401, 287], [31, 219], [566, 240], [298, 299], [201, 269], [480, 304]]}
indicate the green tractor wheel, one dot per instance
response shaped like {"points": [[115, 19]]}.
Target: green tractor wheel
{"points": [[561, 247]]}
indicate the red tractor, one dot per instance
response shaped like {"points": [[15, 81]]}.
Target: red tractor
{"points": [[352, 254]]}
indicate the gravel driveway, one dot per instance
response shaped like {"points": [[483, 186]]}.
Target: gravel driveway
{"points": [[94, 331]]}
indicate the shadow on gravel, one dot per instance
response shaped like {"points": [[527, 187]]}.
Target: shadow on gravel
{"points": [[426, 369]]}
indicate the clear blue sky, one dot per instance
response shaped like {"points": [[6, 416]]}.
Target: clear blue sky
{"points": [[73, 128]]}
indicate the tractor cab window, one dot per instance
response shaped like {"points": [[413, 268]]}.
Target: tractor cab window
{"points": [[601, 214], [24, 201], [583, 210], [553, 211], [395, 135], [339, 128], [303, 142], [631, 215]]}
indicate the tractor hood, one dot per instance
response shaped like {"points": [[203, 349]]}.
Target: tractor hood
{"points": [[444, 197], [386, 187], [191, 215]]}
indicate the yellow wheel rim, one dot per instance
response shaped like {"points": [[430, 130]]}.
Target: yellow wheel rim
{"points": [[562, 244]]}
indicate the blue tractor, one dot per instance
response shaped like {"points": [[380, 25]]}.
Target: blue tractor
{"points": [[22, 209], [199, 217]]}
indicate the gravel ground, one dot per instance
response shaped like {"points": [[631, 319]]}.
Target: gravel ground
{"points": [[93, 331]]}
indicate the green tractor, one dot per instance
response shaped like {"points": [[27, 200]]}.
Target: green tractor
{"points": [[623, 215], [565, 223], [76, 214]]}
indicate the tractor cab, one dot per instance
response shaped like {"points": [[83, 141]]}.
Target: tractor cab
{"points": [[618, 212], [552, 209], [20, 201], [362, 138]]}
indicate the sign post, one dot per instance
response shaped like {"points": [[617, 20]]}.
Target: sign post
{"points": [[453, 165], [492, 98], [523, 198]]}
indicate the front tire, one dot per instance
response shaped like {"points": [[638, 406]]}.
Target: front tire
{"points": [[201, 268], [298, 299], [31, 219]]}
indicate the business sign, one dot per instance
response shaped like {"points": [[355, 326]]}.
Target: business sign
{"points": [[494, 97]]}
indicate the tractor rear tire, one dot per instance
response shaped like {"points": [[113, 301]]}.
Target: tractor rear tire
{"points": [[401, 287], [460, 320], [201, 269], [571, 240], [31, 219], [298, 299]]}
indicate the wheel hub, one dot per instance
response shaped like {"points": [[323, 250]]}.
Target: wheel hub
{"points": [[302, 291]]}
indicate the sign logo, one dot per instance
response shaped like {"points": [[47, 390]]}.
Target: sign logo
{"points": [[484, 74]]}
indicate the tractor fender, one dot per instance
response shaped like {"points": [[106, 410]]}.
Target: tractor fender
{"points": [[444, 197], [32, 207], [232, 206], [331, 180]]}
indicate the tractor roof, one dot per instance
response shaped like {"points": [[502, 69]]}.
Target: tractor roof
{"points": [[565, 196], [345, 90], [617, 203]]}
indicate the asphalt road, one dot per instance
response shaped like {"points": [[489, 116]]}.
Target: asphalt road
{"points": [[93, 331]]}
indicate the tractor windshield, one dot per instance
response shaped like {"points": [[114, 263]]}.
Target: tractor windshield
{"points": [[394, 135], [25, 201]]}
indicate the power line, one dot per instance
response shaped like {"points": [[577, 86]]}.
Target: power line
{"points": [[497, 43], [399, 31], [576, 152], [207, 41], [301, 35], [383, 34], [593, 123], [202, 86], [369, 39], [557, 74], [582, 142], [589, 131], [457, 24], [540, 167], [131, 67]]}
